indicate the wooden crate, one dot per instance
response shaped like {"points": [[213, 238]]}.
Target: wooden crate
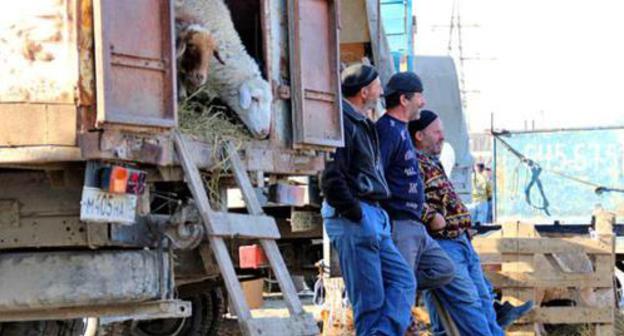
{"points": [[525, 266]]}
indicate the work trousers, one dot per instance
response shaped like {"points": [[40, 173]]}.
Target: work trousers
{"points": [[432, 267], [468, 297], [380, 285]]}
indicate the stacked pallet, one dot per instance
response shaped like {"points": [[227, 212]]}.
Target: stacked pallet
{"points": [[525, 266]]}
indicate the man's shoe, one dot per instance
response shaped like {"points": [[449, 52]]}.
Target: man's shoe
{"points": [[509, 313]]}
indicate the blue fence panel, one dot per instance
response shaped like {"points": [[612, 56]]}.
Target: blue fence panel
{"points": [[561, 175]]}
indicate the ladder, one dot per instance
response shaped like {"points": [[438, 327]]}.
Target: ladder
{"points": [[253, 225], [445, 318]]}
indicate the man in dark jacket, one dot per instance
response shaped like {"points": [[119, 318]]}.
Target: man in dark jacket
{"points": [[379, 283], [404, 99]]}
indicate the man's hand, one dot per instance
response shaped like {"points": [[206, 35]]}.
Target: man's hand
{"points": [[354, 214], [437, 223]]}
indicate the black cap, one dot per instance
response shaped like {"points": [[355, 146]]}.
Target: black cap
{"points": [[403, 82], [355, 77], [426, 118]]}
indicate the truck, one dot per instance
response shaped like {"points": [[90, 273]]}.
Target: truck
{"points": [[96, 219]]}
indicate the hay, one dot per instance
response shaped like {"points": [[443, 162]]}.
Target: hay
{"points": [[204, 119], [619, 322]]}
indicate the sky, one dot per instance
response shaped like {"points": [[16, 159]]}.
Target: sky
{"points": [[533, 63]]}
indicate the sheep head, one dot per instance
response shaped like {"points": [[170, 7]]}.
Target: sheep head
{"points": [[254, 106], [195, 48]]}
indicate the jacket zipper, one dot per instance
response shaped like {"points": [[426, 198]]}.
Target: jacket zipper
{"points": [[376, 156]]}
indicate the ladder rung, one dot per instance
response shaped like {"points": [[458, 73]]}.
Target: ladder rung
{"points": [[241, 225], [302, 325]]}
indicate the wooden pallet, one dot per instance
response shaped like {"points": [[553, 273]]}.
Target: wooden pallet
{"points": [[526, 266], [254, 225]]}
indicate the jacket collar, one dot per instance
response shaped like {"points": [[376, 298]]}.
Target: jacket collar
{"points": [[350, 110]]}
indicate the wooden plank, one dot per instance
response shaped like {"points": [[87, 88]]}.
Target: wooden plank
{"points": [[569, 315], [303, 325], [605, 330], [39, 154], [241, 225], [242, 180], [270, 248], [528, 280], [542, 245], [216, 243], [61, 125], [521, 330], [605, 221]]}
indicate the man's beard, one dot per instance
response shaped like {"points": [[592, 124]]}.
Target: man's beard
{"points": [[433, 149], [370, 104], [437, 148]]}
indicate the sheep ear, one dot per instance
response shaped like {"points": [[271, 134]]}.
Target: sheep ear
{"points": [[244, 96], [180, 47]]}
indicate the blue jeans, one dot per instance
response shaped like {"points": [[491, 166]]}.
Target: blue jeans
{"points": [[479, 212], [468, 298], [432, 267], [379, 283]]}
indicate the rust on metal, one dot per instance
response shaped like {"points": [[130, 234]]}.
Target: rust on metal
{"points": [[86, 62], [38, 45]]}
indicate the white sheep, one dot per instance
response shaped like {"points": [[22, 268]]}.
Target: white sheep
{"points": [[238, 82]]}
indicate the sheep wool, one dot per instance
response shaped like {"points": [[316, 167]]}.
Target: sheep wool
{"points": [[238, 82]]}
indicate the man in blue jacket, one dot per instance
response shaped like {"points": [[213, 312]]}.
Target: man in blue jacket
{"points": [[379, 283], [404, 99]]}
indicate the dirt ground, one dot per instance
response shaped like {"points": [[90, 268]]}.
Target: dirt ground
{"points": [[274, 306]]}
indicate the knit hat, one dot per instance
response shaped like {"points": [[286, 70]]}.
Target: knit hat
{"points": [[355, 77], [426, 118], [403, 82]]}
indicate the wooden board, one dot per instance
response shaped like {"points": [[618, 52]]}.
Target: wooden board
{"points": [[529, 265]]}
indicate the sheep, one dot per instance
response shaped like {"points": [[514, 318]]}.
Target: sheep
{"points": [[195, 47], [238, 82]]}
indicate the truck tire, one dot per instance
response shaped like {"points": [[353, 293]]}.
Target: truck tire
{"points": [[208, 307], [43, 328]]}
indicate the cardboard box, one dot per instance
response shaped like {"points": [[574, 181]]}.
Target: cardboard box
{"points": [[253, 292]]}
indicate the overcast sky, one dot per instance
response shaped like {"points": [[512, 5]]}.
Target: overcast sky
{"points": [[557, 63]]}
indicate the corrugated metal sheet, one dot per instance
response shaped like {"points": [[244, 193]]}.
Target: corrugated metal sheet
{"points": [[561, 180]]}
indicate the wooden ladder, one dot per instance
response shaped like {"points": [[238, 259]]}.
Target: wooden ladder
{"points": [[254, 225]]}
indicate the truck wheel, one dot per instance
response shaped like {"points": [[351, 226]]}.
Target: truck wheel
{"points": [[43, 328], [208, 308]]}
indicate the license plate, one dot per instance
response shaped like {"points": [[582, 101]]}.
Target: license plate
{"points": [[103, 207]]}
